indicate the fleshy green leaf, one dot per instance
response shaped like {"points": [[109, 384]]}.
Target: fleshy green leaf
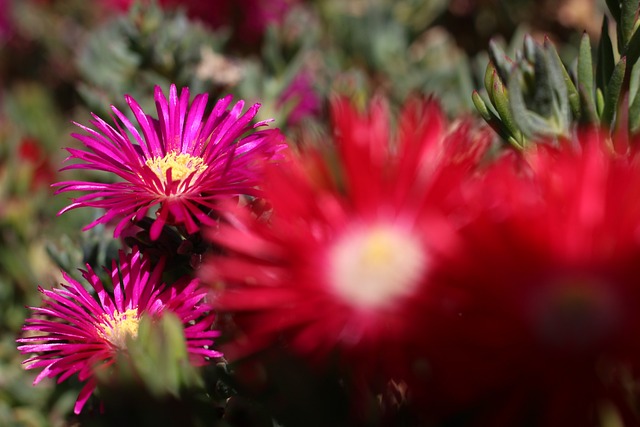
{"points": [[612, 92], [560, 99], [480, 105], [490, 117], [599, 102], [518, 105], [588, 112], [489, 75], [606, 61], [540, 91], [585, 80], [501, 103], [530, 48], [634, 114], [556, 66], [632, 51], [160, 355], [627, 22], [500, 60]]}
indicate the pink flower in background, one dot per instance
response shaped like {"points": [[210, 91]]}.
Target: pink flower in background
{"points": [[6, 26], [184, 162], [253, 17], [248, 18], [344, 263], [76, 333], [300, 98]]}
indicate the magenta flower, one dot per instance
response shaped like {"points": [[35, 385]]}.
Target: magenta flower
{"points": [[248, 19], [183, 162], [6, 26], [302, 97], [73, 332]]}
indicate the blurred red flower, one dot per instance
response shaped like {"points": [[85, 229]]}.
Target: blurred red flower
{"points": [[548, 266], [31, 151], [343, 265]]}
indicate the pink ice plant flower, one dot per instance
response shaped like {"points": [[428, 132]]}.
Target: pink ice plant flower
{"points": [[75, 332], [184, 162]]}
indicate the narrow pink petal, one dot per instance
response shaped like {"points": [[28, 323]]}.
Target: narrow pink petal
{"points": [[84, 395]]}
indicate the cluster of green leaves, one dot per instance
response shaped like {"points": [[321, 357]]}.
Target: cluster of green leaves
{"points": [[353, 47], [134, 52], [535, 96], [395, 48]]}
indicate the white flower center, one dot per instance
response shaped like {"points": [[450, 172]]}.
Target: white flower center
{"points": [[373, 267], [118, 327], [181, 164]]}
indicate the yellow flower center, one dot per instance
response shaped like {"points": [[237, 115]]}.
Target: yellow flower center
{"points": [[181, 165], [119, 326], [373, 267]]}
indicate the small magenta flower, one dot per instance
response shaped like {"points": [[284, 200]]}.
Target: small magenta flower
{"points": [[248, 20], [77, 332], [183, 162], [302, 97]]}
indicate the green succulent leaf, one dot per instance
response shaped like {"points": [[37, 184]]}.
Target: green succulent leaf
{"points": [[501, 103], [560, 94], [491, 118], [540, 90], [530, 49], [502, 63], [606, 61], [588, 113], [627, 22], [632, 49], [161, 357], [490, 76], [612, 92], [599, 102], [520, 111], [585, 81], [634, 114], [481, 106], [556, 66]]}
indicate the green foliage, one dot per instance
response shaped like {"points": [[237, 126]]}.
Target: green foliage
{"points": [[534, 96], [392, 44], [531, 96], [156, 358], [132, 53]]}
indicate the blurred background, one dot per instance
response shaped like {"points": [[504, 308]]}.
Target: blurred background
{"points": [[60, 60]]}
